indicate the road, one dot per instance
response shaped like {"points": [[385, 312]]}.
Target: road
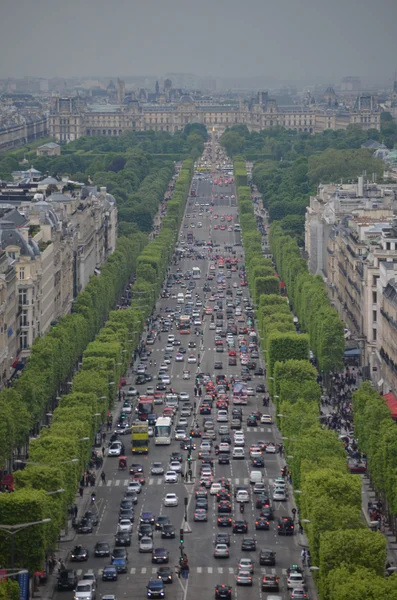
{"points": [[205, 571]]}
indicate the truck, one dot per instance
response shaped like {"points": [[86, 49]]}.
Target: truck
{"points": [[140, 438]]}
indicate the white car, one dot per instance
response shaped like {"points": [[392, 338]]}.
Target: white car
{"points": [[205, 446], [279, 494], [125, 526], [146, 544], [255, 452], [131, 392], [127, 408], [212, 326], [271, 449], [175, 465], [182, 422], [180, 434], [184, 396], [238, 453], [141, 369], [242, 496], [134, 486], [171, 477], [169, 348], [179, 357], [150, 391], [222, 416], [266, 419], [191, 359], [197, 322], [170, 500], [166, 379], [171, 338], [85, 590], [215, 488], [295, 580], [250, 390], [239, 440], [150, 431], [115, 449]]}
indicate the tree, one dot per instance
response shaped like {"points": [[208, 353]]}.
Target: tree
{"points": [[353, 548], [232, 142], [359, 584]]}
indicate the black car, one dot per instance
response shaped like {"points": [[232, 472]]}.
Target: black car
{"points": [[131, 496], [224, 521], [120, 553], [148, 518], [248, 544], [222, 538], [263, 501], [223, 592], [285, 526], [260, 388], [224, 506], [155, 588], [262, 524], [252, 421], [202, 503], [123, 539], [92, 516], [224, 458], [165, 574], [126, 504], [267, 557], [160, 555], [84, 526], [161, 521], [127, 513], [109, 573], [67, 580], [259, 373], [258, 462], [176, 456], [270, 583], [218, 365], [145, 529], [240, 526], [161, 387], [136, 468], [102, 549], [168, 531], [79, 554]]}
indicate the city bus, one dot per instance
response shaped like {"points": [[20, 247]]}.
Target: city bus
{"points": [[183, 325], [196, 273], [140, 438], [145, 407], [163, 431]]}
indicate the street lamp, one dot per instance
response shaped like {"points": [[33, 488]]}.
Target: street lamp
{"points": [[314, 568], [31, 462], [298, 492], [12, 530], [84, 439], [305, 520], [60, 491]]}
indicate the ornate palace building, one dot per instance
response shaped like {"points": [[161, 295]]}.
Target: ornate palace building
{"points": [[71, 118]]}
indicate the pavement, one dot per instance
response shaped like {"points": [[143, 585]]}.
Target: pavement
{"points": [[205, 571]]}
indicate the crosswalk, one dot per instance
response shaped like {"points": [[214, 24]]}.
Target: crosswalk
{"points": [[159, 481], [198, 570]]}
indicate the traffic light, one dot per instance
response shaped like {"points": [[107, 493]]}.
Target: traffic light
{"points": [[181, 540]]}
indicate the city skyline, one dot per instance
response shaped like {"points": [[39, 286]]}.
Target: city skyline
{"points": [[288, 41]]}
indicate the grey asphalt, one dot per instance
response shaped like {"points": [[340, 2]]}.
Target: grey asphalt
{"points": [[205, 570]]}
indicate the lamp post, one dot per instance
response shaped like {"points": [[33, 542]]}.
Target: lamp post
{"points": [[60, 491], [12, 530]]}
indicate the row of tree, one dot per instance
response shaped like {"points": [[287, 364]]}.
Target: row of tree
{"points": [[330, 498], [309, 300], [58, 458]]}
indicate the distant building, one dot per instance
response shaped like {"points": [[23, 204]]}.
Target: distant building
{"points": [[49, 149]]}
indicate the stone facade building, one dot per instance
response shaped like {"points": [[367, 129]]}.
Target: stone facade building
{"points": [[70, 119]]}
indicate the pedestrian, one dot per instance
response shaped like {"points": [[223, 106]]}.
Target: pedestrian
{"points": [[81, 491], [300, 528], [303, 557], [103, 477], [75, 511], [86, 479], [104, 437]]}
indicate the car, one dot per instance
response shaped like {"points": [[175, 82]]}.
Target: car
{"points": [[165, 574], [179, 357], [168, 531], [243, 577], [123, 538], [224, 507], [124, 525], [147, 518], [102, 549], [170, 499], [258, 462], [247, 564], [267, 557], [238, 453], [191, 358], [248, 544], [215, 487], [160, 521], [67, 580], [242, 495], [155, 588], [262, 524], [240, 526], [127, 408], [136, 468], [184, 396], [160, 555], [235, 423], [132, 392], [119, 553], [270, 583], [298, 593], [279, 494], [285, 526], [109, 573], [202, 503], [171, 477], [134, 486], [223, 592], [84, 526], [85, 590], [115, 449], [295, 579], [157, 469], [224, 521], [146, 544], [79, 554], [221, 551], [271, 448], [175, 466]]}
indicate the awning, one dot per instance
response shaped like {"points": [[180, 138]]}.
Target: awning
{"points": [[391, 402], [353, 352]]}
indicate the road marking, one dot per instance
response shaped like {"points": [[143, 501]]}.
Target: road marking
{"points": [[209, 569], [199, 570], [151, 481], [220, 570], [133, 571], [117, 482], [143, 570], [231, 570]]}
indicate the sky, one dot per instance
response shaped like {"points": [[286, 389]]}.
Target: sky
{"points": [[285, 39]]}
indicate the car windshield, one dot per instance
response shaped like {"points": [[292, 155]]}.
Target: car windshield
{"points": [[84, 587]]}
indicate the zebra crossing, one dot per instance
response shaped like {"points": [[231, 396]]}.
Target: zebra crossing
{"points": [[198, 570], [159, 481]]}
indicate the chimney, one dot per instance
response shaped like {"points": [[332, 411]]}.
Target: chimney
{"points": [[360, 186]]}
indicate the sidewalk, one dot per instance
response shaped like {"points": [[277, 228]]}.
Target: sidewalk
{"points": [[369, 496]]}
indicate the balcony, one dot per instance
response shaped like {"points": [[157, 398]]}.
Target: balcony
{"points": [[342, 269], [387, 317]]}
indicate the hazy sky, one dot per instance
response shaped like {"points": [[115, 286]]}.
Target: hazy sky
{"points": [[286, 39]]}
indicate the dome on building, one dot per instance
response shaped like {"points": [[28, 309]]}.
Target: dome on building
{"points": [[330, 91], [186, 99], [9, 236], [381, 153]]}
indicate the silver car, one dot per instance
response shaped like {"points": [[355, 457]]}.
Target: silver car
{"points": [[85, 590], [157, 469], [221, 551], [145, 544]]}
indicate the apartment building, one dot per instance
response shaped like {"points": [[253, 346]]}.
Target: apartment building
{"points": [[50, 249]]}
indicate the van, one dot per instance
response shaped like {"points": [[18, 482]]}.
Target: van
{"points": [[171, 400], [256, 477], [180, 298]]}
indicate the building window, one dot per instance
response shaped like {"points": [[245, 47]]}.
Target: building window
{"points": [[374, 316], [22, 273], [374, 335], [374, 297], [23, 340], [374, 279], [23, 297]]}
